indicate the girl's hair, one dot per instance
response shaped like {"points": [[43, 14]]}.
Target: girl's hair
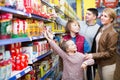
{"points": [[111, 13], [64, 45], [68, 25]]}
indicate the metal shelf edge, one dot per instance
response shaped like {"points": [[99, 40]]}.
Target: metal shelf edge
{"points": [[18, 74], [41, 56], [13, 40]]}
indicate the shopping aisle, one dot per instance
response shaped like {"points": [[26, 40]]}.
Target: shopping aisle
{"points": [[24, 51]]}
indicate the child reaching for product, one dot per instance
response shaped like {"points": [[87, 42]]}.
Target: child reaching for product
{"points": [[73, 62]]}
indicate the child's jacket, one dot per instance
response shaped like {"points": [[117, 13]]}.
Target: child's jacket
{"points": [[82, 45]]}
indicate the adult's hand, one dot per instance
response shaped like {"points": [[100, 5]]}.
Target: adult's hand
{"points": [[88, 56]]}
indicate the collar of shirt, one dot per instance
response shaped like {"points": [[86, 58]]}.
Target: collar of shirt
{"points": [[91, 25]]}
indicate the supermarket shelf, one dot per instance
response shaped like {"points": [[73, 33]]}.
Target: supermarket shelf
{"points": [[13, 40], [37, 37], [58, 9], [10, 10], [17, 74], [59, 76], [48, 4], [49, 72], [18, 12], [42, 56], [71, 15], [39, 17], [22, 39]]}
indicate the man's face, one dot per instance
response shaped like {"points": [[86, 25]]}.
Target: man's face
{"points": [[89, 16]]}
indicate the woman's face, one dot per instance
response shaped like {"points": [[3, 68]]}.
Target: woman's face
{"points": [[105, 19], [74, 28]]}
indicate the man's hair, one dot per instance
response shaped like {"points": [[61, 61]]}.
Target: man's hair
{"points": [[94, 11]]}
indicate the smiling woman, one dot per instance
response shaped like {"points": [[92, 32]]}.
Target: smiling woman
{"points": [[108, 16], [106, 42]]}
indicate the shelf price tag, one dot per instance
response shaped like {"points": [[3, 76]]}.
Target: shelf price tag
{"points": [[27, 70], [30, 15], [34, 37], [18, 76], [34, 60], [41, 36], [20, 12], [30, 38]]}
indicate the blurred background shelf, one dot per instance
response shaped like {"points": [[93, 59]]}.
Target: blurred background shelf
{"points": [[17, 74]]}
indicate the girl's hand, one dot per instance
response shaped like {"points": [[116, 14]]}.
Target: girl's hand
{"points": [[45, 34], [84, 66], [50, 34]]}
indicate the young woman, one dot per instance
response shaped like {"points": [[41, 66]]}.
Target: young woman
{"points": [[106, 44], [73, 61]]}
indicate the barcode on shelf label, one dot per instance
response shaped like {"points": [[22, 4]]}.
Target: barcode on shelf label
{"points": [[18, 76], [19, 12], [29, 15], [30, 38], [41, 36], [34, 60], [27, 70], [35, 38]]}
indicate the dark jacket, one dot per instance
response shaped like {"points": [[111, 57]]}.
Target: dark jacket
{"points": [[93, 49]]}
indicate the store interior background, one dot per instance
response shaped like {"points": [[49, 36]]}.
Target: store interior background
{"points": [[42, 63], [100, 5]]}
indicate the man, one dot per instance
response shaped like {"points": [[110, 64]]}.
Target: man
{"points": [[88, 29]]}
